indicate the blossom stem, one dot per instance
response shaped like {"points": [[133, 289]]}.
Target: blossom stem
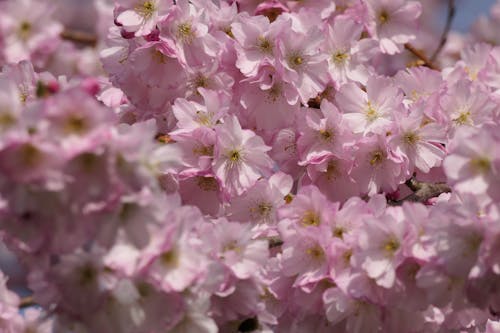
{"points": [[80, 37], [420, 55], [447, 27]]}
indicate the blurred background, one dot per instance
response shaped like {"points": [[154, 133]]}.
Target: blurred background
{"points": [[467, 12]]}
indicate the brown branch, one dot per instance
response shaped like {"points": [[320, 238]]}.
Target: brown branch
{"points": [[80, 37], [446, 30], [420, 55], [422, 191], [274, 242], [315, 102], [27, 302]]}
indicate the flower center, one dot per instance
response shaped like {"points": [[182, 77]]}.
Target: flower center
{"points": [[391, 246], [24, 30], [377, 157], [185, 32], [75, 124], [338, 232], [204, 118], [295, 61], [411, 138], [347, 255], [200, 81], [169, 258], [316, 252], [231, 246], [371, 112], [383, 17], [275, 92], [30, 155], [326, 135], [6, 120], [340, 58], [234, 156], [265, 45], [263, 209], [159, 57], [480, 165], [146, 9], [463, 118], [310, 218], [228, 32], [332, 170]]}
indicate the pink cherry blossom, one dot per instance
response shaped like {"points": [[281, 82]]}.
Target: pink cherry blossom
{"points": [[379, 168], [392, 22], [369, 111], [141, 16], [301, 63], [348, 56], [240, 156], [420, 144], [472, 166], [322, 134]]}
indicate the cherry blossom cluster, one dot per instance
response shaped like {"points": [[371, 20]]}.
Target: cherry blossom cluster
{"points": [[36, 31], [251, 166]]}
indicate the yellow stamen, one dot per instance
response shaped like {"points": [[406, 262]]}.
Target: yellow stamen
{"points": [[383, 17], [288, 198], [7, 120], [169, 258], [295, 61], [332, 170], [316, 252], [30, 155], [377, 157], [338, 232], [392, 245], [264, 45], [463, 118], [204, 118], [275, 92], [185, 32], [411, 138], [310, 218], [340, 57], [234, 156], [480, 165], [25, 30], [263, 209], [326, 135], [146, 9], [75, 124], [231, 246], [371, 112]]}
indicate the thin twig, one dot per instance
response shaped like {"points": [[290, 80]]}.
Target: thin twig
{"points": [[420, 55], [446, 30], [27, 302], [80, 37]]}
